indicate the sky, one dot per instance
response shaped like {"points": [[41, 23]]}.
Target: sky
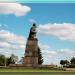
{"points": [[55, 29], [40, 1]]}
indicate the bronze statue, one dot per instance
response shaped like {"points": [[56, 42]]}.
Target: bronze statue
{"points": [[33, 31]]}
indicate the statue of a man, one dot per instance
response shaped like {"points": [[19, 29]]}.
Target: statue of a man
{"points": [[33, 31]]}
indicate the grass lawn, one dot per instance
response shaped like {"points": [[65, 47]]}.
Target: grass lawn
{"points": [[34, 72], [28, 70], [37, 73]]}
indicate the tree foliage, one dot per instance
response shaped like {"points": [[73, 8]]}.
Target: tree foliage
{"points": [[5, 61], [64, 63], [10, 61], [72, 61], [14, 58], [70, 64], [2, 60], [40, 58]]}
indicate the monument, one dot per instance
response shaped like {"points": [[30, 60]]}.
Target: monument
{"points": [[32, 56], [31, 52]]}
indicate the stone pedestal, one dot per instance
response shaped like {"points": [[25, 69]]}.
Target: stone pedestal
{"points": [[31, 53]]}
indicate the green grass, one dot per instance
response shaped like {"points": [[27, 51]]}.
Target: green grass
{"points": [[34, 72], [28, 70]]}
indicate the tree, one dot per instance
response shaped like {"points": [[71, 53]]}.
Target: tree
{"points": [[67, 63], [5, 61], [12, 59], [2, 60], [64, 63], [72, 61], [40, 58]]}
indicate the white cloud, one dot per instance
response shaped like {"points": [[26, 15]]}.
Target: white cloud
{"points": [[44, 46], [64, 31], [11, 37], [10, 42], [47, 53], [7, 0], [54, 56], [14, 8], [45, 49], [67, 52]]}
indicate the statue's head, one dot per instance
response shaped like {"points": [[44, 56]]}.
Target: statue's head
{"points": [[34, 25]]}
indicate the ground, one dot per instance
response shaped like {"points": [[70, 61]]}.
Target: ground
{"points": [[34, 72]]}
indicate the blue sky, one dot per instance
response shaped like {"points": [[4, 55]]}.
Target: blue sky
{"points": [[56, 29]]}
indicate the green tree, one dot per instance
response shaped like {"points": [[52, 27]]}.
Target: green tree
{"points": [[64, 63], [72, 61], [40, 58], [12, 59], [5, 61], [2, 60]]}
